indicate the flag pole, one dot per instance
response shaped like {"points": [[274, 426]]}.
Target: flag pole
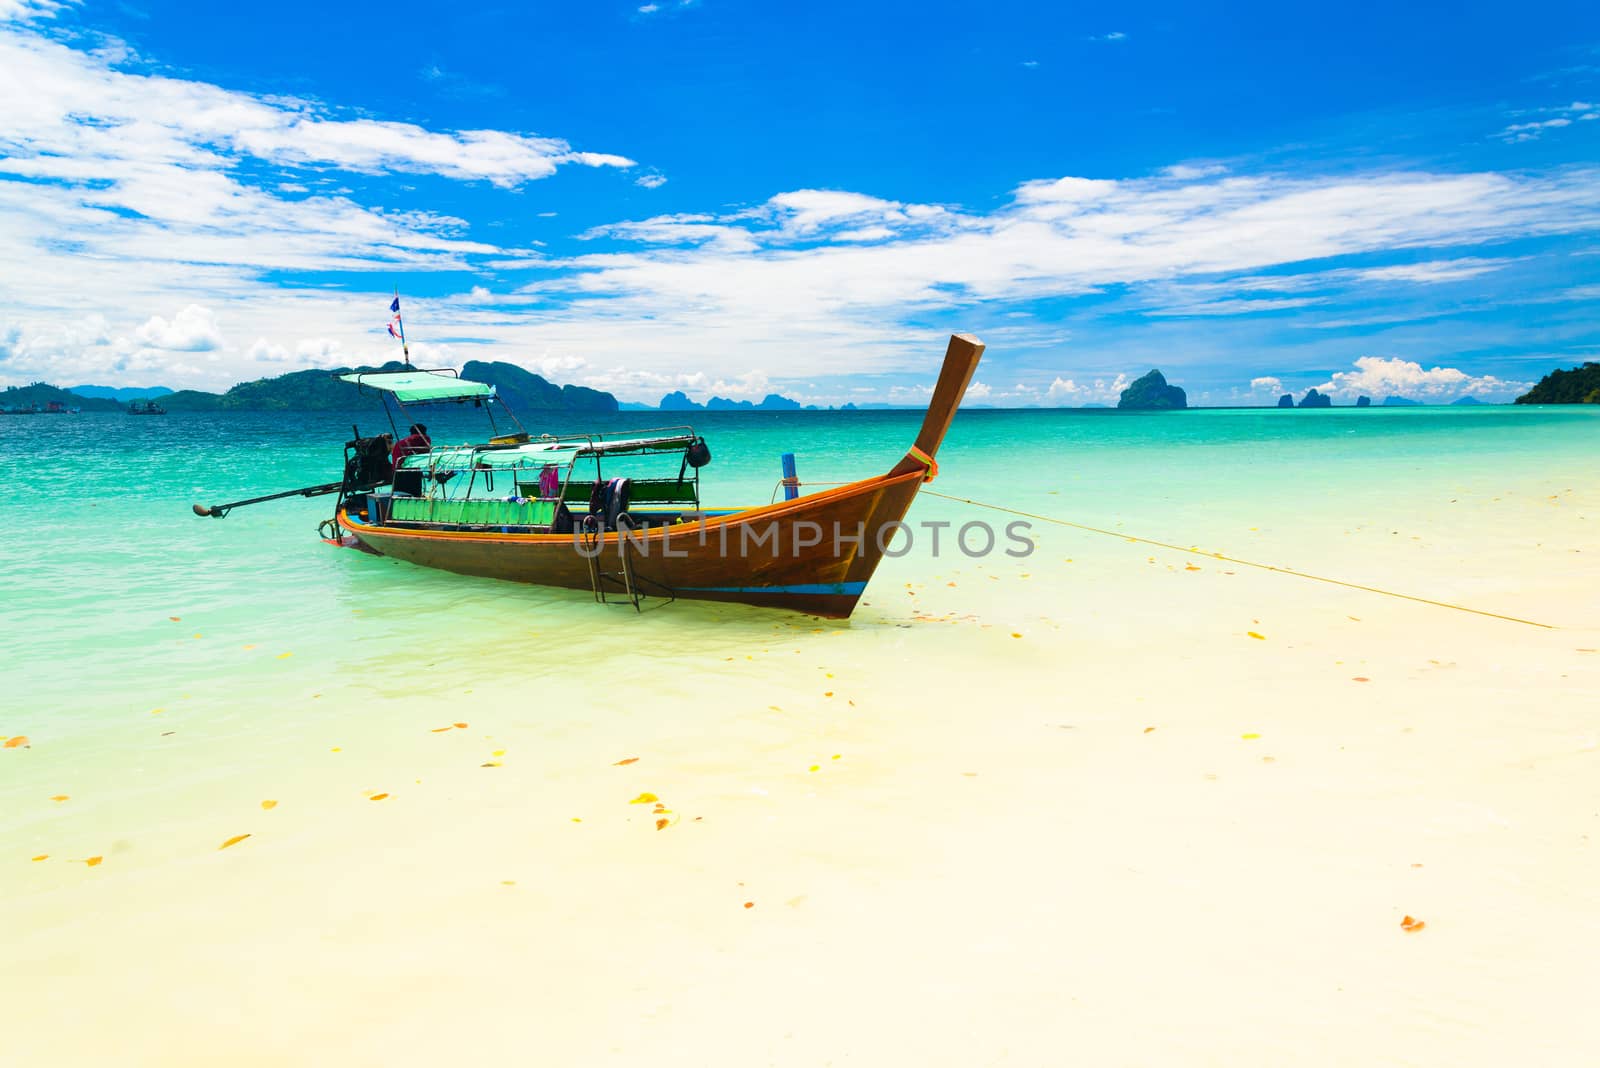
{"points": [[405, 350]]}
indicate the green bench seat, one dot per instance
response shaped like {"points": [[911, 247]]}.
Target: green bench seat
{"points": [[471, 513], [646, 491]]}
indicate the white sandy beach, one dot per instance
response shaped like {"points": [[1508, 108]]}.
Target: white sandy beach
{"points": [[1133, 835]]}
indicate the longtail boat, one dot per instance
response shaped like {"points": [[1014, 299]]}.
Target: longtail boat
{"points": [[555, 511]]}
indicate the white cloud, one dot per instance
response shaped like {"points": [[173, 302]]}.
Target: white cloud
{"points": [[649, 9], [1577, 111], [1266, 384], [651, 181], [263, 351], [1114, 35], [1377, 377], [193, 329]]}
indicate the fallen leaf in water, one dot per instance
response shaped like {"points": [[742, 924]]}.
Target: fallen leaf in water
{"points": [[1257, 637], [377, 797], [247, 647], [235, 840], [661, 824], [93, 862], [176, 619], [16, 743], [269, 805], [41, 856], [622, 763], [459, 726], [60, 797], [284, 656], [644, 799], [1410, 923], [197, 635]]}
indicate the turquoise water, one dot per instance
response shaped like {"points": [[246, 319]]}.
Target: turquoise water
{"points": [[101, 549]]}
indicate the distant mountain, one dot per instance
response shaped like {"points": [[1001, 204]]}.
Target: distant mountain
{"points": [[1400, 402], [1363, 402], [1150, 392], [321, 391], [524, 391], [1096, 404], [678, 401], [42, 394], [121, 393], [1314, 399], [1581, 385], [635, 406], [1286, 401], [1466, 400]]}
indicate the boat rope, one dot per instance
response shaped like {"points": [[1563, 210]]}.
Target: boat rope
{"points": [[1240, 561]]}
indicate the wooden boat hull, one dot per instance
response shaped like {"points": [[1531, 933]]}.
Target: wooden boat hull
{"points": [[782, 556], [813, 554]]}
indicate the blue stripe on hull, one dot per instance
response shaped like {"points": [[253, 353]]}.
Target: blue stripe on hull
{"points": [[844, 589]]}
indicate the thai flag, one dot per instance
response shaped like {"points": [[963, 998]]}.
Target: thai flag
{"points": [[393, 332], [395, 307]]}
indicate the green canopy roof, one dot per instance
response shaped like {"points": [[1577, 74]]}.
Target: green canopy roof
{"points": [[411, 386]]}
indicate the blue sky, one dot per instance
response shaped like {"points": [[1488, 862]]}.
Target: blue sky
{"points": [[741, 198]]}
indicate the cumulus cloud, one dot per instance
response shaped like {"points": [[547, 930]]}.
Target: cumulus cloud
{"points": [[651, 181], [1266, 384], [1378, 377], [193, 329]]}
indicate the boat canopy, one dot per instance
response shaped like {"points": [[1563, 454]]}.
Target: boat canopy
{"points": [[410, 387], [557, 451]]}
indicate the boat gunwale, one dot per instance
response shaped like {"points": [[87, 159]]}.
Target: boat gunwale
{"points": [[775, 510]]}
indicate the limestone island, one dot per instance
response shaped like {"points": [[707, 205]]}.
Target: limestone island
{"points": [[1151, 393]]}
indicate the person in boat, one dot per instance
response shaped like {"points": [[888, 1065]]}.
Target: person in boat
{"points": [[414, 442]]}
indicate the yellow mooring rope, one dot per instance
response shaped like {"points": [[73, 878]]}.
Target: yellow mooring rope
{"points": [[1236, 560]]}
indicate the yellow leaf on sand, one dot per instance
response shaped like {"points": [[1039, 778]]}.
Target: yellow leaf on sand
{"points": [[1257, 637], [336, 749], [93, 862], [644, 799], [1248, 737], [661, 824], [269, 805], [459, 726], [836, 756], [377, 797], [576, 819], [625, 762], [1014, 634], [60, 797], [235, 840], [815, 767], [16, 743], [284, 656], [498, 752], [41, 856], [1190, 567], [1411, 923], [490, 764], [440, 730]]}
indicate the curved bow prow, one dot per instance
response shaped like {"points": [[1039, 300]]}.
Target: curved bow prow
{"points": [[960, 361]]}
